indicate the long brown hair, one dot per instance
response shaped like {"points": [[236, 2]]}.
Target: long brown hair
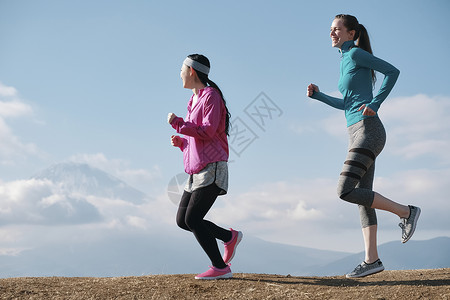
{"points": [[361, 35]]}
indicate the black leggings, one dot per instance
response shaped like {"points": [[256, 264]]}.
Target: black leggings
{"points": [[191, 211]]}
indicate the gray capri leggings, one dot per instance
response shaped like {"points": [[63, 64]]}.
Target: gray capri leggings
{"points": [[367, 139]]}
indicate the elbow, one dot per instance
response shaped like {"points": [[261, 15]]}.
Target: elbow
{"points": [[396, 72], [208, 132], [392, 75]]}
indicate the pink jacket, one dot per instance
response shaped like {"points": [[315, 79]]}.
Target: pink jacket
{"points": [[205, 140]]}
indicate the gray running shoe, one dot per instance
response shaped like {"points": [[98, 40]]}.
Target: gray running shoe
{"points": [[365, 269], [408, 225]]}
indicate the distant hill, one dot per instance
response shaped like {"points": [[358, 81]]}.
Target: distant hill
{"points": [[172, 253], [429, 254], [166, 249], [169, 252]]}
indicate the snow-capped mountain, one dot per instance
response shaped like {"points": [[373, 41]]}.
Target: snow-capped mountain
{"points": [[83, 179]]}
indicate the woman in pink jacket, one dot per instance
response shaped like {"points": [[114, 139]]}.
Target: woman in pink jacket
{"points": [[205, 155]]}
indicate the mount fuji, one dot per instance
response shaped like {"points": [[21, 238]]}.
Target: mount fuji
{"points": [[83, 179]]}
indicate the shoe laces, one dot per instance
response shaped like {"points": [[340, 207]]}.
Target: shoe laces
{"points": [[402, 225], [360, 266]]}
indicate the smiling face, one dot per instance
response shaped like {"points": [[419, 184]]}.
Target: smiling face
{"points": [[186, 76], [339, 33]]}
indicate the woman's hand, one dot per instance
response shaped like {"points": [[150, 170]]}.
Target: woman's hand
{"points": [[367, 110], [170, 117], [176, 141], [311, 89]]}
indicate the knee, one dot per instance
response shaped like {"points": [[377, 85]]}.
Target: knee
{"points": [[186, 222], [343, 193], [343, 196], [190, 223], [181, 223]]}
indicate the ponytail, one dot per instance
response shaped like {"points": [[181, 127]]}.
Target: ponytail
{"points": [[208, 82], [363, 42], [361, 36], [228, 115]]}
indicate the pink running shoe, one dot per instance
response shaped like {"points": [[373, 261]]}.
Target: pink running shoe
{"points": [[215, 273], [230, 247]]}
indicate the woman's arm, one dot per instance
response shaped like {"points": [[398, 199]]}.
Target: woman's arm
{"points": [[313, 92], [178, 141], [212, 114], [391, 73]]}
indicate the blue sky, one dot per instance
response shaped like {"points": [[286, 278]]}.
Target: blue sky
{"points": [[93, 81]]}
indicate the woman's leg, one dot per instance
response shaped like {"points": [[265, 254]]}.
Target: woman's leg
{"points": [[370, 243], [218, 232], [206, 232], [356, 181], [367, 140], [383, 203], [182, 208], [358, 167], [363, 189], [368, 219]]}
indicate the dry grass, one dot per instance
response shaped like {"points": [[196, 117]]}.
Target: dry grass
{"points": [[415, 284]]}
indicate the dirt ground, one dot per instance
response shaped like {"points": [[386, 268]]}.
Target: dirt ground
{"points": [[415, 284]]}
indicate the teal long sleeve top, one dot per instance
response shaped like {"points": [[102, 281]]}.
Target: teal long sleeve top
{"points": [[355, 83]]}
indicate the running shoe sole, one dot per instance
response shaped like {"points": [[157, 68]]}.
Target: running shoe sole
{"points": [[364, 269], [369, 272], [224, 276]]}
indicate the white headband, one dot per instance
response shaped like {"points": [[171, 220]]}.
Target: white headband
{"points": [[196, 65]]}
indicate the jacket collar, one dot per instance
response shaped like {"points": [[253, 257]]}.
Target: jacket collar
{"points": [[347, 46]]}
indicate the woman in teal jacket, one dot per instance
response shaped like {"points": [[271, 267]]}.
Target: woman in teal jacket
{"points": [[366, 133]]}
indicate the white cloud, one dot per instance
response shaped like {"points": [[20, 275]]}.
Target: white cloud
{"points": [[301, 211], [418, 126], [422, 187], [307, 212], [12, 149], [15, 108], [136, 221], [11, 105], [8, 235], [7, 91], [11, 251], [42, 202]]}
